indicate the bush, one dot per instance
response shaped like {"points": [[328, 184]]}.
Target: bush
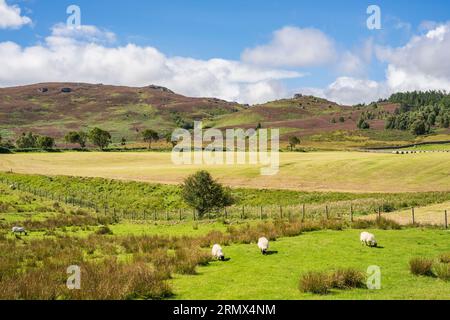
{"points": [[315, 282], [442, 271], [445, 257], [104, 230], [421, 266], [347, 279], [205, 194]]}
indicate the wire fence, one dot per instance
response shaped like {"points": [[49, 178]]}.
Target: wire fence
{"points": [[341, 210]]}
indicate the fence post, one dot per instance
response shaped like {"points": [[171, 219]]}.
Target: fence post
{"points": [[243, 212], [193, 212], [351, 212], [181, 217], [327, 213], [413, 216], [379, 213], [446, 220], [281, 212], [303, 213]]}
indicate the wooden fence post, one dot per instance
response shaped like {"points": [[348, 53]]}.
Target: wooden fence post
{"points": [[193, 214], [446, 220], [413, 216], [351, 212], [281, 212], [243, 212], [261, 213], [303, 213], [181, 214], [327, 212]]}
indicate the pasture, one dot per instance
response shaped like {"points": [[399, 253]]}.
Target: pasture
{"points": [[317, 171], [129, 259]]}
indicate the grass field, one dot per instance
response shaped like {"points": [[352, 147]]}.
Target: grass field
{"points": [[171, 260], [249, 275], [317, 171]]}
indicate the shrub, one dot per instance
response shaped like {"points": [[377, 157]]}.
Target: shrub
{"points": [[445, 257], [421, 266], [205, 194], [347, 279], [104, 230], [315, 282], [442, 271]]}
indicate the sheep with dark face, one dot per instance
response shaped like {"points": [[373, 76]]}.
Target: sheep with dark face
{"points": [[263, 245], [368, 239], [19, 230], [217, 252]]}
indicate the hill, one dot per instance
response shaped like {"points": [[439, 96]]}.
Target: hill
{"points": [[56, 108]]}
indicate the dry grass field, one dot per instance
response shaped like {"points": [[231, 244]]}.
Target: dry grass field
{"points": [[317, 171]]}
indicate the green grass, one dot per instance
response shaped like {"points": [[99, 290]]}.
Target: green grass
{"points": [[249, 275], [139, 196]]}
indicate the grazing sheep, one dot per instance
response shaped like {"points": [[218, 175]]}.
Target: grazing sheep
{"points": [[217, 252], [19, 230], [368, 239], [263, 245]]}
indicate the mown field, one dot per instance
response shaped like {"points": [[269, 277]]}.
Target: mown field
{"points": [[316, 171]]}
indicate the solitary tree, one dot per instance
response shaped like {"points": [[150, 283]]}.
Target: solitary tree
{"points": [[150, 136], [293, 142], [203, 193], [100, 138], [78, 137]]}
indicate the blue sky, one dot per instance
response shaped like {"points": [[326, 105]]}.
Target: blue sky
{"points": [[203, 30]]}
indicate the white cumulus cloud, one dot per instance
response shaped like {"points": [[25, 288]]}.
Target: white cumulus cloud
{"points": [[293, 47], [10, 16], [81, 55]]}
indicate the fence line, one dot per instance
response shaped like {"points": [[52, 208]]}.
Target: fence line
{"points": [[346, 210]]}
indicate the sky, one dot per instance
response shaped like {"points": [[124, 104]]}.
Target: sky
{"points": [[249, 51]]}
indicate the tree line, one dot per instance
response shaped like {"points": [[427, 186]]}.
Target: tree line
{"points": [[100, 138], [420, 112]]}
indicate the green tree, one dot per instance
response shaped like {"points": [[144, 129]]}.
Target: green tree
{"points": [[77, 137], [27, 141], [169, 140], [100, 138], [45, 142], [150, 136], [293, 142], [203, 193], [419, 127]]}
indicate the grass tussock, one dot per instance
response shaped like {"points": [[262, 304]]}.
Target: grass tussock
{"points": [[421, 266], [322, 282], [442, 271], [347, 279], [315, 282], [381, 223]]}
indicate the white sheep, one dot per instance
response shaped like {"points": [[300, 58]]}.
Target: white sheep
{"points": [[368, 239], [217, 252], [19, 230], [263, 245]]}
